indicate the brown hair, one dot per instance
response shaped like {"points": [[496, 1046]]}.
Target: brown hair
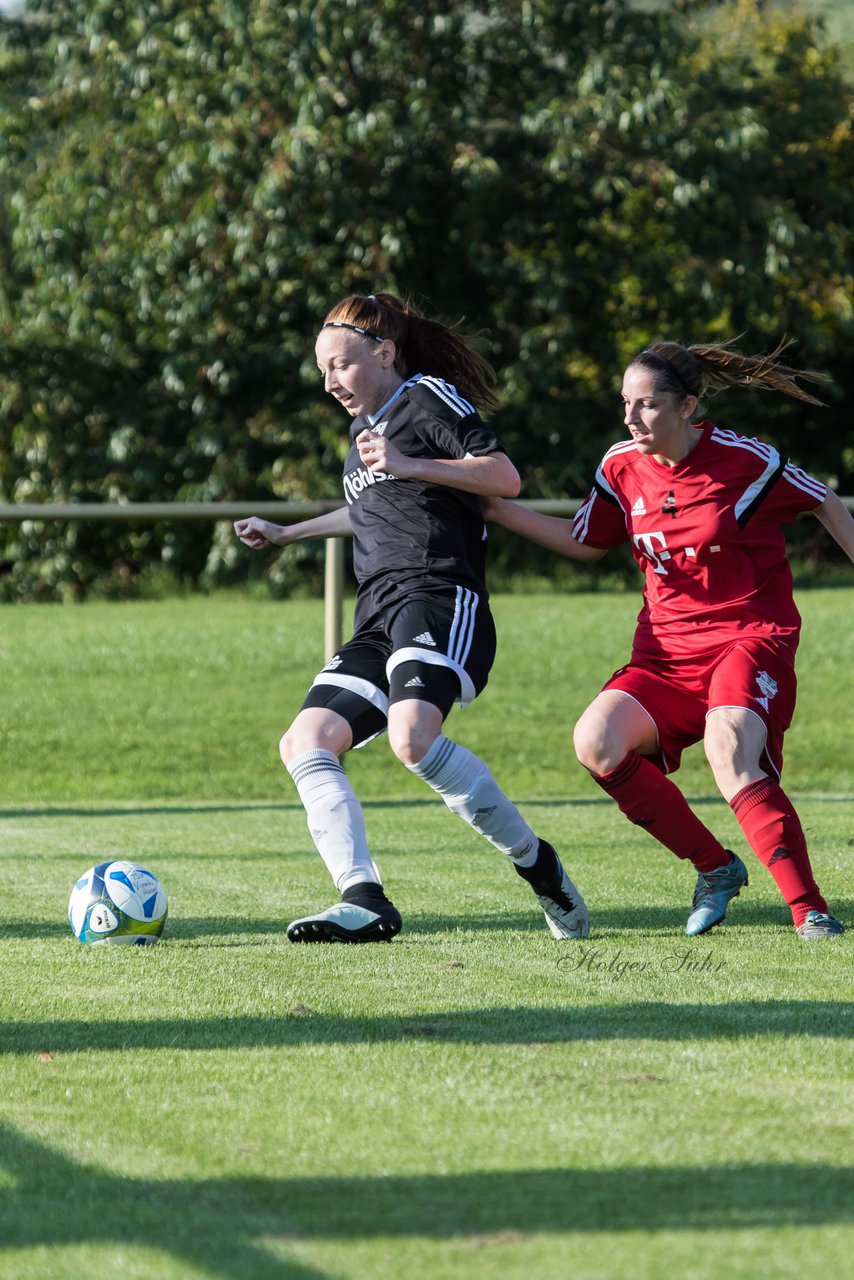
{"points": [[423, 345], [693, 370]]}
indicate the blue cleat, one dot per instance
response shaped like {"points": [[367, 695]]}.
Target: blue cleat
{"points": [[818, 924], [712, 895]]}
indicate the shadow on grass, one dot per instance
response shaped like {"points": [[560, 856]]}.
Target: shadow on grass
{"points": [[741, 915], [218, 930], [235, 931], [50, 809], [653, 1020], [647, 920], [221, 1225], [95, 810], [144, 810], [132, 809], [161, 808]]}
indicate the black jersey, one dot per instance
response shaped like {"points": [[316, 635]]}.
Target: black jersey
{"points": [[409, 533]]}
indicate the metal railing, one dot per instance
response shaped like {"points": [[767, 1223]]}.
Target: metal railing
{"points": [[166, 512], [281, 512]]}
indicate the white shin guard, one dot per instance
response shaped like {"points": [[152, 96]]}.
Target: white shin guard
{"points": [[470, 791], [335, 818]]}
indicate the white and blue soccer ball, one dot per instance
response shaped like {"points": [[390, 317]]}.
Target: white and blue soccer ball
{"points": [[118, 902]]}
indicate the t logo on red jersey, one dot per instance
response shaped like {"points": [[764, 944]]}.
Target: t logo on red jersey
{"points": [[654, 547]]}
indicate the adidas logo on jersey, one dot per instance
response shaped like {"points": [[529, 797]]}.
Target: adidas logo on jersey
{"points": [[333, 663], [415, 683], [639, 509], [425, 638]]}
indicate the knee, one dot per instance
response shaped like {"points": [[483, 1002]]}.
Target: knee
{"points": [[722, 752], [410, 742], [311, 733], [413, 727], [291, 746], [591, 747], [613, 725], [718, 751]]}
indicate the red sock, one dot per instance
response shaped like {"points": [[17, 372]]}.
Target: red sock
{"points": [[774, 832], [649, 799]]}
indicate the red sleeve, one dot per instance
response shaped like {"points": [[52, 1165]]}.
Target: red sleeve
{"points": [[600, 521], [794, 493]]}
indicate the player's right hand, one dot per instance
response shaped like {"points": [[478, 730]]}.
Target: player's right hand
{"points": [[257, 533]]}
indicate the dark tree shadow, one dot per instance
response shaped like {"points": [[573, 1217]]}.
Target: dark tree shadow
{"points": [[607, 923], [219, 1225], [144, 810], [652, 1020]]}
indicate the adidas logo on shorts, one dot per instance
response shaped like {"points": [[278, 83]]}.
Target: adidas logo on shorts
{"points": [[425, 638], [415, 683]]}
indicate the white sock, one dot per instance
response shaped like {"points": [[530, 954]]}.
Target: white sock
{"points": [[470, 791], [335, 818]]}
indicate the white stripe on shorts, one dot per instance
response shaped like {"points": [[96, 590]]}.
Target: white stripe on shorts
{"points": [[462, 628], [355, 684]]}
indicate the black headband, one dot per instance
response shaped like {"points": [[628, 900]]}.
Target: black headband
{"points": [[671, 369], [357, 328]]}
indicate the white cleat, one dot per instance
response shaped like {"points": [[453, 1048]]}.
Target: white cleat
{"points": [[347, 922], [563, 906]]}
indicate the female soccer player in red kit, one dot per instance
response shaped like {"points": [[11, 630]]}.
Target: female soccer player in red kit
{"points": [[713, 657]]}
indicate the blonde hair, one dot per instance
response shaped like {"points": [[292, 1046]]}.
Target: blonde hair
{"points": [[714, 367], [423, 345]]}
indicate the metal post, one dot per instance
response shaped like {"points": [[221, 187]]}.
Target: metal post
{"points": [[333, 596]]}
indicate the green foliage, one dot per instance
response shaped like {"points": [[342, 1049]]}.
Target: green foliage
{"points": [[184, 190]]}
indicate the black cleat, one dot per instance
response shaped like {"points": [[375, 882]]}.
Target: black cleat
{"points": [[563, 906]]}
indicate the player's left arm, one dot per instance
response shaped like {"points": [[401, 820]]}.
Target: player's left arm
{"points": [[490, 474], [838, 522], [551, 532]]}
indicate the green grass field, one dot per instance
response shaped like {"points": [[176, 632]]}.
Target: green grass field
{"points": [[474, 1100]]}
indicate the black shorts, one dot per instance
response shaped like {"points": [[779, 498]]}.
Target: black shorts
{"points": [[450, 630]]}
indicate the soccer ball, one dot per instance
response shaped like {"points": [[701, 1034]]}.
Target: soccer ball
{"points": [[118, 902]]}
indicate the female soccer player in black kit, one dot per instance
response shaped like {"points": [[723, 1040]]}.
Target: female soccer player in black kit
{"points": [[420, 456]]}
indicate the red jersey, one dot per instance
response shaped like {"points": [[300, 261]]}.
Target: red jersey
{"points": [[707, 534]]}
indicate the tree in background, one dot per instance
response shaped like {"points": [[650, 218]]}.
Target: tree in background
{"points": [[185, 187]]}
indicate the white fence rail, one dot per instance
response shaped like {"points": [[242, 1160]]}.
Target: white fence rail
{"points": [[281, 512], [272, 510]]}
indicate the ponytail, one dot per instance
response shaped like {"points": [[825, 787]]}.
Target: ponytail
{"points": [[423, 345], [717, 366]]}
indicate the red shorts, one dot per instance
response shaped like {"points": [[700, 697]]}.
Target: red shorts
{"points": [[678, 694]]}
